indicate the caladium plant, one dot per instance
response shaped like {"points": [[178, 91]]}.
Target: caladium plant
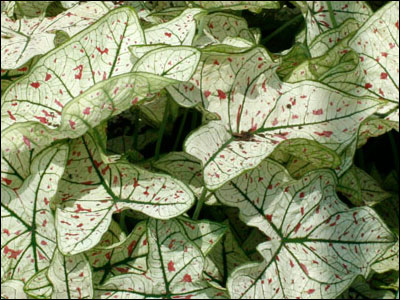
{"points": [[260, 198]]}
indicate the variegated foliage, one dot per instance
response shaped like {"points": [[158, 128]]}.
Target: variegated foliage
{"points": [[84, 216]]}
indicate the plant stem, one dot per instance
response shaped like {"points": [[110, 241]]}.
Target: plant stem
{"points": [[199, 204], [180, 130], [331, 14], [280, 29], [162, 129]]}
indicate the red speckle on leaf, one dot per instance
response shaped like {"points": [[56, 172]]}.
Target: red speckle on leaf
{"points": [[6, 180], [302, 195], [79, 69], [86, 111], [368, 85], [397, 24], [11, 115], [130, 247], [384, 75], [187, 278], [48, 76], [269, 217], [221, 95], [58, 103], [304, 268], [318, 112], [207, 93], [168, 34], [297, 227], [13, 254], [171, 266], [42, 120], [216, 62], [27, 141], [79, 208], [35, 84], [134, 101], [324, 133], [102, 51], [72, 124], [310, 291]]}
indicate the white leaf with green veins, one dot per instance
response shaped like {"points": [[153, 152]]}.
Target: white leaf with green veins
{"points": [[13, 289], [389, 261], [258, 112], [28, 237], [88, 199], [23, 39], [127, 256], [71, 277], [178, 31], [255, 6], [218, 26], [360, 188], [373, 127], [101, 100], [319, 20], [175, 269], [187, 169], [318, 245], [39, 286], [377, 43]]}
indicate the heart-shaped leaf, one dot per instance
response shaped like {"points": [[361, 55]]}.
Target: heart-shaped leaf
{"points": [[28, 237], [258, 112], [39, 286], [88, 199], [71, 277], [319, 18], [317, 247], [23, 39], [168, 275]]}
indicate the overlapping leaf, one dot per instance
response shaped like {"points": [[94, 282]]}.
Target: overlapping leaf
{"points": [[255, 6], [39, 286], [68, 108], [91, 191], [319, 19], [377, 43], [168, 275], [317, 247], [23, 39], [70, 276], [258, 112], [28, 237]]}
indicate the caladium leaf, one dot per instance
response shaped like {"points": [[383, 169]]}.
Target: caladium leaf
{"points": [[13, 289], [30, 9], [360, 188], [319, 19], [223, 258], [376, 42], [373, 127], [317, 247], [23, 39], [255, 6], [187, 169], [178, 31], [71, 277], [389, 261], [88, 199], [39, 286], [218, 26], [112, 96], [322, 43], [27, 229], [168, 275], [258, 112], [127, 256]]}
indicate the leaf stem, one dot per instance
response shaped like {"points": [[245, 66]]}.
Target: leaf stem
{"points": [[180, 130], [280, 29], [199, 204], [331, 14], [161, 132]]}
